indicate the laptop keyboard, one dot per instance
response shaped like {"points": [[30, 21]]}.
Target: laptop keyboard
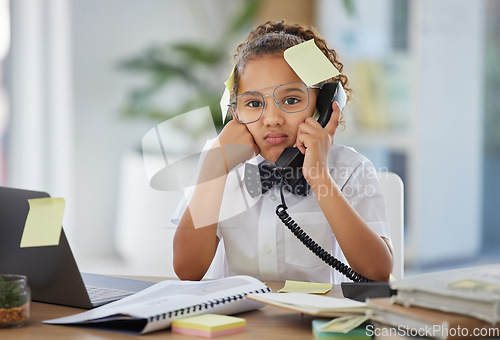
{"points": [[104, 293]]}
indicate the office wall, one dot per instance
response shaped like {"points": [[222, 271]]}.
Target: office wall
{"points": [[105, 33], [38, 78], [438, 129], [450, 111], [66, 135]]}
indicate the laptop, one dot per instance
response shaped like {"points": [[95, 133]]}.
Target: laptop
{"points": [[52, 272]]}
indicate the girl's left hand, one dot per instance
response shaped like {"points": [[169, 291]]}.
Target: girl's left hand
{"points": [[315, 142]]}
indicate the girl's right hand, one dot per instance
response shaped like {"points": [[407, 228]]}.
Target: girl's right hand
{"points": [[237, 143]]}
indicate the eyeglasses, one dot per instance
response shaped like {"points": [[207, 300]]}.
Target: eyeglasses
{"points": [[291, 98]]}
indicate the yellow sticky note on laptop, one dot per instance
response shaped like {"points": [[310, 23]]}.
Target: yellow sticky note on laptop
{"points": [[44, 222], [305, 287], [309, 63]]}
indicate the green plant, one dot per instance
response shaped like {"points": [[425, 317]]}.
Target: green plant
{"points": [[11, 294], [197, 66], [349, 7]]}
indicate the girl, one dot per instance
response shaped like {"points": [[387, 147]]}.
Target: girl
{"points": [[344, 210]]}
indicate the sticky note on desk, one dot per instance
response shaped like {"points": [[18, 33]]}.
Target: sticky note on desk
{"points": [[305, 287], [44, 222], [309, 63], [358, 332], [209, 325]]}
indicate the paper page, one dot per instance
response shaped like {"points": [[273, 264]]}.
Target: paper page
{"points": [[44, 222], [305, 287], [321, 303], [224, 102]]}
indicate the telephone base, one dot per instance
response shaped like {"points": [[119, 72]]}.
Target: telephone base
{"points": [[359, 291]]}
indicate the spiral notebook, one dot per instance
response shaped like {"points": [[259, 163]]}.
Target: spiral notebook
{"points": [[156, 307]]}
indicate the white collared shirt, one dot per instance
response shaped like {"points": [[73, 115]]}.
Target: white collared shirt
{"points": [[257, 243]]}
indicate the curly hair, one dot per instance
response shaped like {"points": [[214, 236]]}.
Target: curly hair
{"points": [[273, 38]]}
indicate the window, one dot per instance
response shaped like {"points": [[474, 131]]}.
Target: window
{"points": [[4, 111]]}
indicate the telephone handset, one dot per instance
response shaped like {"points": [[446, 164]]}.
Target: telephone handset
{"points": [[289, 166], [291, 160]]}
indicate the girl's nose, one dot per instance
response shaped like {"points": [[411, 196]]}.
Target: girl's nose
{"points": [[272, 115]]}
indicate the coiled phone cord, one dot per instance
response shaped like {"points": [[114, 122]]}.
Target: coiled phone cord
{"points": [[310, 243]]}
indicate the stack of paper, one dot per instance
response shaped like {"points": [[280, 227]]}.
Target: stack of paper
{"points": [[459, 303], [431, 323], [473, 291], [209, 325]]}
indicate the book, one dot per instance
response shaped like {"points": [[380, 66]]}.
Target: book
{"points": [[419, 321], [473, 291], [209, 325], [312, 304], [155, 308]]}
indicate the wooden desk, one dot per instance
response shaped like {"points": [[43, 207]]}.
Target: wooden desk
{"points": [[266, 323]]}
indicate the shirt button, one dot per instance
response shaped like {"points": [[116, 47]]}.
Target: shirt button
{"points": [[273, 198], [267, 249]]}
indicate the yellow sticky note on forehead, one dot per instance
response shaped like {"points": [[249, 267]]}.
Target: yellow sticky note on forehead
{"points": [[309, 63]]}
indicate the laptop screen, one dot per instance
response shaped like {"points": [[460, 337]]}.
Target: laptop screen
{"points": [[52, 272]]}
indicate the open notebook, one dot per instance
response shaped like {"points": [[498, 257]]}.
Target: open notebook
{"points": [[157, 306]]}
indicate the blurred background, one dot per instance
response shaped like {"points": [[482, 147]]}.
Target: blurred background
{"points": [[82, 81]]}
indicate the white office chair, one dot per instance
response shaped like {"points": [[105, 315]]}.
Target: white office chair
{"points": [[392, 187]]}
